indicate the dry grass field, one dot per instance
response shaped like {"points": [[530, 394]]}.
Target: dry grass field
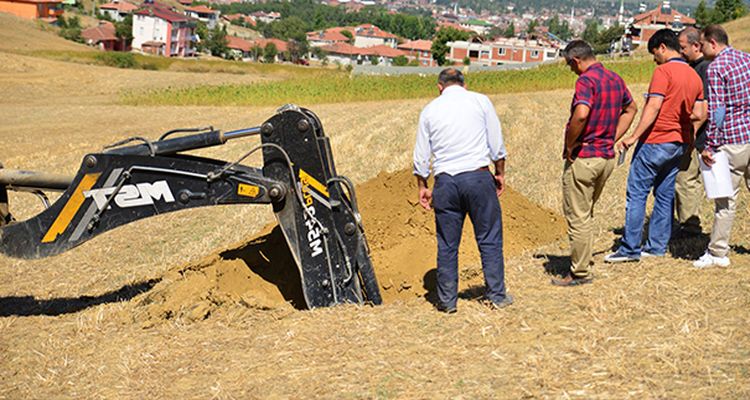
{"points": [[81, 325]]}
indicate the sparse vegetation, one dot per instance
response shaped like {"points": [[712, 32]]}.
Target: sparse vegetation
{"points": [[332, 87]]}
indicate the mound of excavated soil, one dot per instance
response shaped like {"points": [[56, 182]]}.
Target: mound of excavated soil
{"points": [[260, 273]]}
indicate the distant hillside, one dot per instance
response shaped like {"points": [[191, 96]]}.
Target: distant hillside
{"points": [[739, 33], [603, 8], [18, 34]]}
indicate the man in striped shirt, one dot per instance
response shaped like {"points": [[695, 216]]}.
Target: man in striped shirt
{"points": [[728, 131]]}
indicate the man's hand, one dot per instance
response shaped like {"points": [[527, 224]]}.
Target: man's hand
{"points": [[425, 198], [708, 157], [625, 144], [499, 184], [569, 153]]}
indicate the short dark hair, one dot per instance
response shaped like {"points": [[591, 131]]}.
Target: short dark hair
{"points": [[451, 76], [692, 34], [665, 37], [578, 49], [717, 33]]}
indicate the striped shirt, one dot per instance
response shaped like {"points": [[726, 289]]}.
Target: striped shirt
{"points": [[729, 99]]}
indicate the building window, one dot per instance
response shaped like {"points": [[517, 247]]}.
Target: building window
{"points": [[485, 54], [535, 54], [501, 51], [551, 54], [473, 53]]}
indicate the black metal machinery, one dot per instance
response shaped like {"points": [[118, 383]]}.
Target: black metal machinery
{"points": [[315, 207]]}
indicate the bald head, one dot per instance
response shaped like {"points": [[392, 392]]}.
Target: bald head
{"points": [[690, 43]]}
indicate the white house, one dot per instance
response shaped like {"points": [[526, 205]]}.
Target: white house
{"points": [[202, 13], [161, 31], [368, 35], [117, 10]]}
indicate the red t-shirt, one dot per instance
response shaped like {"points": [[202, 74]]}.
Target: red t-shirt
{"points": [[681, 87]]}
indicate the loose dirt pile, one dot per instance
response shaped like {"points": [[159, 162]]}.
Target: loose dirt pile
{"points": [[260, 273]]}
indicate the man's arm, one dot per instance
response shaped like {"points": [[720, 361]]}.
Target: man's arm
{"points": [[716, 112], [626, 119], [575, 128], [648, 117], [699, 115], [422, 154], [496, 144], [500, 176], [425, 194]]}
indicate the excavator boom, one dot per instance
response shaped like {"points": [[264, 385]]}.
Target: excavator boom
{"points": [[316, 208]]}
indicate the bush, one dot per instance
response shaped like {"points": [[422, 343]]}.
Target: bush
{"points": [[118, 60]]}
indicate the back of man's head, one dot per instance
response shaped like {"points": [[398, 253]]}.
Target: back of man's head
{"points": [[692, 35], [578, 49], [717, 33], [450, 76], [665, 37]]}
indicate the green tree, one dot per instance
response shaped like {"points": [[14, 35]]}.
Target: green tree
{"points": [[201, 30], [269, 53], [289, 28], [510, 31], [591, 33], [532, 25], [559, 29], [256, 52], [70, 28], [703, 15], [728, 10], [124, 29], [467, 60], [374, 60], [349, 36], [297, 49], [439, 44], [217, 42]]}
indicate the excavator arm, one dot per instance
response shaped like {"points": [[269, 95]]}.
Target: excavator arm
{"points": [[316, 208]]}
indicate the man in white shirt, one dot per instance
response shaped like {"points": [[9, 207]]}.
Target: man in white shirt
{"points": [[461, 133]]}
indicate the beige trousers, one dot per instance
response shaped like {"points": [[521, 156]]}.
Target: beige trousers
{"points": [[582, 183], [688, 191], [739, 165]]}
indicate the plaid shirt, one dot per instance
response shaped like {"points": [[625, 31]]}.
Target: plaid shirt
{"points": [[606, 94], [729, 90]]}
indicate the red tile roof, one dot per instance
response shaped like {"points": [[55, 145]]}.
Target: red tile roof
{"points": [[347, 49], [656, 16], [233, 42], [328, 35], [281, 46], [421, 45], [159, 11], [122, 7], [105, 31], [369, 30], [201, 9]]}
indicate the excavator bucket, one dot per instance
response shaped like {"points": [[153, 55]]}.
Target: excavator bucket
{"points": [[315, 207]]}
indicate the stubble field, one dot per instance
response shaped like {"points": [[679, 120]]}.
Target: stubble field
{"points": [[85, 324]]}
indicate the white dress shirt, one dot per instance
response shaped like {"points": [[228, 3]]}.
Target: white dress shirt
{"points": [[460, 129]]}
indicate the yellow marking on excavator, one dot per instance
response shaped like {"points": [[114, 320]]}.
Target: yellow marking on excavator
{"points": [[307, 179], [70, 209], [248, 190]]}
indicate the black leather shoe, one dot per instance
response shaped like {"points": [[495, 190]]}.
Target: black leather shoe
{"points": [[447, 310], [571, 280]]}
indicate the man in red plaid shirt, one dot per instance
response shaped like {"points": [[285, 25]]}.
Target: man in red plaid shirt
{"points": [[728, 131], [601, 112]]}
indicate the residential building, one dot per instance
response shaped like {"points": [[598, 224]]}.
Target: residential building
{"points": [[503, 51], [104, 37], [239, 48], [202, 13], [368, 35], [266, 17], [46, 10], [419, 50], [646, 24], [117, 10], [326, 37], [163, 31], [346, 54], [477, 25]]}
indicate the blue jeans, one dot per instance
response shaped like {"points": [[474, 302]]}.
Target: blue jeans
{"points": [[653, 166], [453, 197]]}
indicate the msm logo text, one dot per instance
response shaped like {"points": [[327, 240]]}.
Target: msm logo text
{"points": [[140, 194]]}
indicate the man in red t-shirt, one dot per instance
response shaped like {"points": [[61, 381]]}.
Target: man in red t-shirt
{"points": [[674, 110]]}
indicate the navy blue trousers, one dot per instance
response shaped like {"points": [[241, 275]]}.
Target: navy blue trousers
{"points": [[453, 197]]}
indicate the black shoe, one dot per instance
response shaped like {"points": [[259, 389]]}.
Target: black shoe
{"points": [[571, 280], [447, 310], [496, 305]]}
